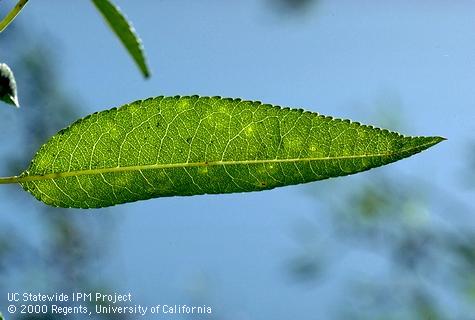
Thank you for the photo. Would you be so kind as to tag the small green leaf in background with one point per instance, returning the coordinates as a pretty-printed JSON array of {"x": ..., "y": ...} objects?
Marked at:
[
  {"x": 183, "y": 146},
  {"x": 8, "y": 91},
  {"x": 125, "y": 31}
]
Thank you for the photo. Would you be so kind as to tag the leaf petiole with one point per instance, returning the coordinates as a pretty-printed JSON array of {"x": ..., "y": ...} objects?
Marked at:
[
  {"x": 12, "y": 14},
  {"x": 9, "y": 180}
]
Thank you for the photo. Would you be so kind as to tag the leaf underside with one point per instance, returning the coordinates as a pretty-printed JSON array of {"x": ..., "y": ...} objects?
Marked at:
[
  {"x": 125, "y": 32},
  {"x": 182, "y": 146},
  {"x": 8, "y": 90}
]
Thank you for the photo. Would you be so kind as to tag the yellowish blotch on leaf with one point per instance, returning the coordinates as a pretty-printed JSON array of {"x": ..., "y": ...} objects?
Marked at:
[
  {"x": 250, "y": 131},
  {"x": 183, "y": 105}
]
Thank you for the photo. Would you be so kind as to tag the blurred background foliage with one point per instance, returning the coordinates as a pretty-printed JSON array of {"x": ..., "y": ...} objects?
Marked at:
[
  {"x": 422, "y": 267},
  {"x": 422, "y": 264},
  {"x": 292, "y": 7}
]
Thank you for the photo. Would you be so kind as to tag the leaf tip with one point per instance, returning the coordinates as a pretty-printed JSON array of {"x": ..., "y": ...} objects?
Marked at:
[
  {"x": 14, "y": 101},
  {"x": 428, "y": 142},
  {"x": 146, "y": 74},
  {"x": 437, "y": 140}
]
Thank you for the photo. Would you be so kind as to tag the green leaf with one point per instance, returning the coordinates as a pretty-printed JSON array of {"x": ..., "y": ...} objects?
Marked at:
[
  {"x": 8, "y": 91},
  {"x": 183, "y": 146},
  {"x": 124, "y": 31},
  {"x": 12, "y": 14}
]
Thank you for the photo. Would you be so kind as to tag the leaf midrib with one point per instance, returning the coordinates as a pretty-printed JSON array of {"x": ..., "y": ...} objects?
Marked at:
[{"x": 57, "y": 175}]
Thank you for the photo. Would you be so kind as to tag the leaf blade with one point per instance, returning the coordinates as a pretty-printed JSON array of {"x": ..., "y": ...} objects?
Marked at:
[
  {"x": 12, "y": 14},
  {"x": 8, "y": 88},
  {"x": 169, "y": 146},
  {"x": 125, "y": 32}
]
